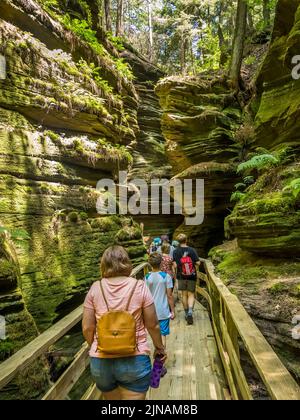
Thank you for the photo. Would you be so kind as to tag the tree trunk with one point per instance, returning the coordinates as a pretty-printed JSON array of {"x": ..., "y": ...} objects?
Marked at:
[
  {"x": 267, "y": 13},
  {"x": 150, "y": 23},
  {"x": 183, "y": 55},
  {"x": 250, "y": 22},
  {"x": 95, "y": 8},
  {"x": 107, "y": 9},
  {"x": 120, "y": 18},
  {"x": 238, "y": 42}
]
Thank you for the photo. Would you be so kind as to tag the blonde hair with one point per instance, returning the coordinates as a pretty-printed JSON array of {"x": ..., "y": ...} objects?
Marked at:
[
  {"x": 182, "y": 238},
  {"x": 165, "y": 248},
  {"x": 115, "y": 262}
]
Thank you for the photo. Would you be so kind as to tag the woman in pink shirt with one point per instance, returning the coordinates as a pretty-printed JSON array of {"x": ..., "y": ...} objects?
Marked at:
[{"x": 119, "y": 377}]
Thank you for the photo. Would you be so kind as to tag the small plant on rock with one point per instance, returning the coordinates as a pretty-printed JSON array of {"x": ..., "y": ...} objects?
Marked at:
[
  {"x": 294, "y": 188},
  {"x": 237, "y": 196},
  {"x": 259, "y": 163},
  {"x": 73, "y": 217}
]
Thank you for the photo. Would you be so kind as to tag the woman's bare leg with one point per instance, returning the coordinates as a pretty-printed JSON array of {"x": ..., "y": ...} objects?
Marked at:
[
  {"x": 130, "y": 395},
  {"x": 112, "y": 395}
]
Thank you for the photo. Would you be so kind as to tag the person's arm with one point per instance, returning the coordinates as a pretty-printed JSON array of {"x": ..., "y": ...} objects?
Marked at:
[
  {"x": 152, "y": 325},
  {"x": 175, "y": 269},
  {"x": 89, "y": 325},
  {"x": 171, "y": 302}
]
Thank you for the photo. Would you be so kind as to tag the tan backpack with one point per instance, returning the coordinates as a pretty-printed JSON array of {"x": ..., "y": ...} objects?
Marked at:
[{"x": 116, "y": 330}]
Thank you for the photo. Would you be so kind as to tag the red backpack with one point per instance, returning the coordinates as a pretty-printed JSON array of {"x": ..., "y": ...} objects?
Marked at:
[{"x": 187, "y": 265}]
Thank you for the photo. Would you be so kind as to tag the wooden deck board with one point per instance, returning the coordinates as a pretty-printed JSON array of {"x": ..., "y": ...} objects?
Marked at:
[{"x": 194, "y": 367}]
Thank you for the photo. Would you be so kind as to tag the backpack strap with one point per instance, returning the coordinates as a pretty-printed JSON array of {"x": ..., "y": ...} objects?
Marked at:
[
  {"x": 131, "y": 294},
  {"x": 103, "y": 294}
]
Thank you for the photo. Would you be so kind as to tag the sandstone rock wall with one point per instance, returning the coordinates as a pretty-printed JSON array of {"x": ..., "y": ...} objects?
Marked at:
[{"x": 67, "y": 116}]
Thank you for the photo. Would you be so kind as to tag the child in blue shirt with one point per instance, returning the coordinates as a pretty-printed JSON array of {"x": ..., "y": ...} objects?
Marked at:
[{"x": 160, "y": 285}]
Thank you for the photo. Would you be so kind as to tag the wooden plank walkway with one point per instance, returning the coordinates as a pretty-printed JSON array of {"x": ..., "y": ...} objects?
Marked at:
[{"x": 194, "y": 366}]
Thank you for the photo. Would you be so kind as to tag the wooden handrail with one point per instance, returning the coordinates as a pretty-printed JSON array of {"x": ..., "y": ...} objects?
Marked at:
[
  {"x": 37, "y": 347},
  {"x": 230, "y": 321}
]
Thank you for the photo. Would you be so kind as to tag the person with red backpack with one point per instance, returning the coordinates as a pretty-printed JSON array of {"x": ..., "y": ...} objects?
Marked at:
[{"x": 186, "y": 262}]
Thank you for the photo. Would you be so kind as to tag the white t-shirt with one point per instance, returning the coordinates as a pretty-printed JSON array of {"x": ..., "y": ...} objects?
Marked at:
[{"x": 158, "y": 283}]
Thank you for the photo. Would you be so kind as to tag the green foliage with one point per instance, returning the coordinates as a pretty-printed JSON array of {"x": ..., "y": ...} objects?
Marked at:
[
  {"x": 52, "y": 136},
  {"x": 83, "y": 30},
  {"x": 124, "y": 68},
  {"x": 116, "y": 41},
  {"x": 278, "y": 288},
  {"x": 259, "y": 163},
  {"x": 83, "y": 215},
  {"x": 6, "y": 349},
  {"x": 129, "y": 233},
  {"x": 294, "y": 187},
  {"x": 248, "y": 180},
  {"x": 73, "y": 217},
  {"x": 18, "y": 236},
  {"x": 211, "y": 53},
  {"x": 240, "y": 186},
  {"x": 93, "y": 72},
  {"x": 250, "y": 60},
  {"x": 237, "y": 196}
]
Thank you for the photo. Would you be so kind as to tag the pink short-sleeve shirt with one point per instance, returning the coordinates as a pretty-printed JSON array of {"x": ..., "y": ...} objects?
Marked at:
[{"x": 117, "y": 291}]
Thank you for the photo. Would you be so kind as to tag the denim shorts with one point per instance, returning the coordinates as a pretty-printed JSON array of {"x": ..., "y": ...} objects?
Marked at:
[{"x": 132, "y": 373}]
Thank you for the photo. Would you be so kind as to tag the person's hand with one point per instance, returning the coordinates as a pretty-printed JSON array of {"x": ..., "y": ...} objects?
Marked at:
[
  {"x": 161, "y": 353},
  {"x": 173, "y": 316}
]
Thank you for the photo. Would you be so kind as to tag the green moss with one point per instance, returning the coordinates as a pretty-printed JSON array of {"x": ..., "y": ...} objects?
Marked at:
[
  {"x": 45, "y": 189},
  {"x": 278, "y": 288},
  {"x": 242, "y": 267},
  {"x": 6, "y": 349},
  {"x": 73, "y": 217},
  {"x": 104, "y": 224},
  {"x": 129, "y": 233},
  {"x": 52, "y": 136},
  {"x": 83, "y": 215}
]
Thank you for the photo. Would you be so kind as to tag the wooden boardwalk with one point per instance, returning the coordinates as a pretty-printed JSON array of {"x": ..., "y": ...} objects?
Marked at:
[{"x": 194, "y": 367}]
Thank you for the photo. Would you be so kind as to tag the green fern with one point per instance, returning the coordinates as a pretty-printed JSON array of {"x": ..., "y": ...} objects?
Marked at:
[
  {"x": 237, "y": 196},
  {"x": 294, "y": 187},
  {"x": 248, "y": 180},
  {"x": 259, "y": 162},
  {"x": 240, "y": 186},
  {"x": 18, "y": 236}
]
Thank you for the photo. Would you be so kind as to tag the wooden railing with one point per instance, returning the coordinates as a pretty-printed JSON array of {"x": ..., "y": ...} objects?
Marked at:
[
  {"x": 232, "y": 324},
  {"x": 39, "y": 346}
]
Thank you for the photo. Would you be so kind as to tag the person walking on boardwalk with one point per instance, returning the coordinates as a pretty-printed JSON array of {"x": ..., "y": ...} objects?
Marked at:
[
  {"x": 118, "y": 310},
  {"x": 160, "y": 284},
  {"x": 167, "y": 261},
  {"x": 186, "y": 261}
]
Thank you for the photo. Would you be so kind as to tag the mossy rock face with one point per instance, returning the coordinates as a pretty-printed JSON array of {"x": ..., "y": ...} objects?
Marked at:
[
  {"x": 60, "y": 133},
  {"x": 199, "y": 120},
  {"x": 49, "y": 86},
  {"x": 267, "y": 220},
  {"x": 20, "y": 328},
  {"x": 277, "y": 119}
]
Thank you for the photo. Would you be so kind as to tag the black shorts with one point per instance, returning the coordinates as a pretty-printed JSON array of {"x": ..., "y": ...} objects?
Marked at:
[{"x": 187, "y": 285}]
